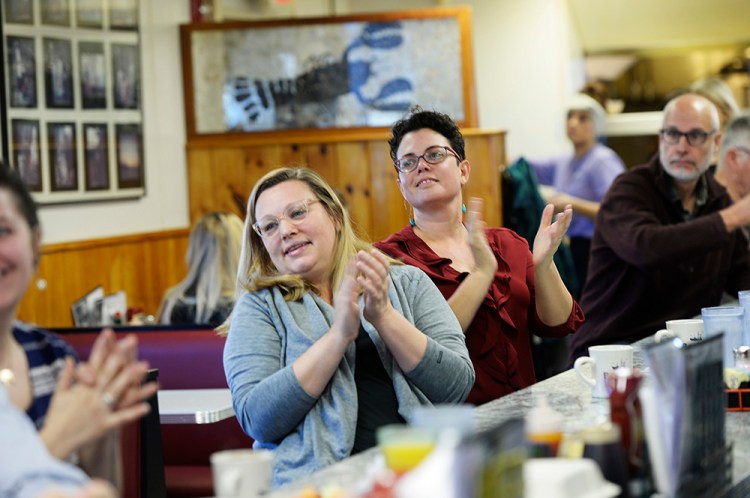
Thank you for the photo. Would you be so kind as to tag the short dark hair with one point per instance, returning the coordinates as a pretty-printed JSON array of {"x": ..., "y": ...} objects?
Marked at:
[
  {"x": 9, "y": 179},
  {"x": 418, "y": 119}
]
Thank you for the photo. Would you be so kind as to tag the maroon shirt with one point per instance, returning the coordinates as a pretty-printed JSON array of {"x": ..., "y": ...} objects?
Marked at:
[{"x": 498, "y": 339}]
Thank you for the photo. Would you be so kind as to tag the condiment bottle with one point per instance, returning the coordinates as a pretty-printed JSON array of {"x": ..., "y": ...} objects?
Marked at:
[
  {"x": 601, "y": 443},
  {"x": 544, "y": 430}
]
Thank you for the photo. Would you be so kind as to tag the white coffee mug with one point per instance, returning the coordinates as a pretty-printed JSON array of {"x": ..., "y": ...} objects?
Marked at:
[
  {"x": 241, "y": 473},
  {"x": 689, "y": 330},
  {"x": 603, "y": 361}
]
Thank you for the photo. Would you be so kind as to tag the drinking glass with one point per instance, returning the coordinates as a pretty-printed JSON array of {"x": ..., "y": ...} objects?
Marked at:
[{"x": 727, "y": 319}]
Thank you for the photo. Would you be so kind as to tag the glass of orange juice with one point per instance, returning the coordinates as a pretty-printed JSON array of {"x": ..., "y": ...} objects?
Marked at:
[{"x": 403, "y": 446}]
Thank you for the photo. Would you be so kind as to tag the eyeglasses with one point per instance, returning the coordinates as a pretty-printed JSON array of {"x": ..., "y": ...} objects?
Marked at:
[
  {"x": 433, "y": 155},
  {"x": 742, "y": 149},
  {"x": 694, "y": 137},
  {"x": 295, "y": 213}
]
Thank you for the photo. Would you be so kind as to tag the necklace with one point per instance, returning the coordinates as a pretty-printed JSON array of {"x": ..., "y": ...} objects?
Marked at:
[{"x": 7, "y": 376}]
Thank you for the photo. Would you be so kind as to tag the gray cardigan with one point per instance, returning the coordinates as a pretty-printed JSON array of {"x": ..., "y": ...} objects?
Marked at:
[{"x": 267, "y": 334}]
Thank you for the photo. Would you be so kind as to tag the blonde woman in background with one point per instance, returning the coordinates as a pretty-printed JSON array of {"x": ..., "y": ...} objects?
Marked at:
[{"x": 206, "y": 294}]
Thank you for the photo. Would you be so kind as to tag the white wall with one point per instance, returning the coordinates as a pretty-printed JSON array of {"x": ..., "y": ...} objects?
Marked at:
[
  {"x": 165, "y": 204},
  {"x": 526, "y": 60}
]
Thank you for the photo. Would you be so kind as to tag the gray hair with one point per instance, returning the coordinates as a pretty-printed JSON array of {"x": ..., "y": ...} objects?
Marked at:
[
  {"x": 736, "y": 133},
  {"x": 583, "y": 102},
  {"x": 719, "y": 93}
]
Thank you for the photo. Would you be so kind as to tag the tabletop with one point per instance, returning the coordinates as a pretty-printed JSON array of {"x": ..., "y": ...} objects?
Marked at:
[{"x": 194, "y": 406}]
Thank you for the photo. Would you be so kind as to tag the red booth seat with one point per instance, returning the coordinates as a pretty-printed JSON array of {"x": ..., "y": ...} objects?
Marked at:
[{"x": 187, "y": 358}]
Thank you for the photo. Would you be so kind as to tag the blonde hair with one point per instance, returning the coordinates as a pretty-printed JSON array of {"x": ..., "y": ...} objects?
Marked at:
[
  {"x": 212, "y": 259},
  {"x": 256, "y": 270}
]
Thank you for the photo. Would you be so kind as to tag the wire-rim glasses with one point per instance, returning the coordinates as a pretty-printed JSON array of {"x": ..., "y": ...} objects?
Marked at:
[
  {"x": 295, "y": 213},
  {"x": 694, "y": 137},
  {"x": 434, "y": 154}
]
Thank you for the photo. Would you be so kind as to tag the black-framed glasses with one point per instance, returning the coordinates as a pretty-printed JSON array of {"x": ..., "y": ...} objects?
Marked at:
[
  {"x": 296, "y": 213},
  {"x": 432, "y": 155},
  {"x": 694, "y": 137}
]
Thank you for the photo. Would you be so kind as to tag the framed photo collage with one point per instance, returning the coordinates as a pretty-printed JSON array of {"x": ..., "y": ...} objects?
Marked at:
[{"x": 72, "y": 98}]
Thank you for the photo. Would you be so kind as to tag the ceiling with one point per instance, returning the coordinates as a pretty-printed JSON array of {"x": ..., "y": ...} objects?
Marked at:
[{"x": 658, "y": 25}]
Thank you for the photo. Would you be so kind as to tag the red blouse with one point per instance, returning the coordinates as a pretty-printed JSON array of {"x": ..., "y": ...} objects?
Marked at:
[{"x": 499, "y": 337}]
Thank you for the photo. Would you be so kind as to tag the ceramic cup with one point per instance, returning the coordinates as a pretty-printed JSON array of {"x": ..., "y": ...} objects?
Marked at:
[
  {"x": 241, "y": 473},
  {"x": 689, "y": 331},
  {"x": 603, "y": 362}
]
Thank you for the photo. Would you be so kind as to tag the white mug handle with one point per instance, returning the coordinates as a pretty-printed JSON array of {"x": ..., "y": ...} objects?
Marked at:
[
  {"x": 663, "y": 334},
  {"x": 578, "y": 365}
]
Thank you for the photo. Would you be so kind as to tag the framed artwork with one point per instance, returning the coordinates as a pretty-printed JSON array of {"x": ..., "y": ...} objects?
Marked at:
[
  {"x": 96, "y": 156},
  {"x": 89, "y": 14},
  {"x": 129, "y": 155},
  {"x": 19, "y": 11},
  {"x": 70, "y": 116},
  {"x": 58, "y": 73},
  {"x": 125, "y": 76},
  {"x": 93, "y": 76},
  {"x": 123, "y": 14},
  {"x": 21, "y": 57},
  {"x": 327, "y": 73},
  {"x": 55, "y": 12},
  {"x": 26, "y": 152},
  {"x": 61, "y": 141}
]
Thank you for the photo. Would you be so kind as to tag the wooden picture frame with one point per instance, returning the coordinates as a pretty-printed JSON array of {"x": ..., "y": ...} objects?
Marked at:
[
  {"x": 89, "y": 14},
  {"x": 19, "y": 11},
  {"x": 58, "y": 73},
  {"x": 96, "y": 155},
  {"x": 125, "y": 76},
  {"x": 26, "y": 152},
  {"x": 326, "y": 75},
  {"x": 129, "y": 140},
  {"x": 55, "y": 12},
  {"x": 63, "y": 160},
  {"x": 123, "y": 14},
  {"x": 92, "y": 66},
  {"x": 21, "y": 60}
]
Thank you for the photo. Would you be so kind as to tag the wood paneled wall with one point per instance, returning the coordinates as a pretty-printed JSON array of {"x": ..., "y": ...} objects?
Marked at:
[
  {"x": 222, "y": 171},
  {"x": 142, "y": 265}
]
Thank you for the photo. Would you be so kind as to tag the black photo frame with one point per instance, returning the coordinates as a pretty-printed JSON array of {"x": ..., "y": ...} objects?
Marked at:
[
  {"x": 58, "y": 73},
  {"x": 63, "y": 164},
  {"x": 92, "y": 67},
  {"x": 19, "y": 11},
  {"x": 70, "y": 73},
  {"x": 96, "y": 155},
  {"x": 21, "y": 57},
  {"x": 129, "y": 142},
  {"x": 125, "y": 76},
  {"x": 123, "y": 14},
  {"x": 26, "y": 152},
  {"x": 89, "y": 14},
  {"x": 55, "y": 12}
]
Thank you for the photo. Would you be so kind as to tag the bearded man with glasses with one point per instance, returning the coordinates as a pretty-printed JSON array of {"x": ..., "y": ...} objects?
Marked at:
[{"x": 667, "y": 240}]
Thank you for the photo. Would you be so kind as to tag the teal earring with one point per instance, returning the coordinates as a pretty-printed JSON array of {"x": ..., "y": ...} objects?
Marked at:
[
  {"x": 412, "y": 222},
  {"x": 463, "y": 208}
]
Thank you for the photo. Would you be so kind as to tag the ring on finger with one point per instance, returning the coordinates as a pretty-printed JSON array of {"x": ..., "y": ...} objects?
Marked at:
[{"x": 109, "y": 400}]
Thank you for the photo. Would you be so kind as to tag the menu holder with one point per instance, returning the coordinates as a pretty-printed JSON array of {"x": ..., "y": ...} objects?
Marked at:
[
  {"x": 490, "y": 463},
  {"x": 688, "y": 381},
  {"x": 83, "y": 310}
]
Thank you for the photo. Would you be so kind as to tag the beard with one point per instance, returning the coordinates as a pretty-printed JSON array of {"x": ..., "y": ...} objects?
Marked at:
[{"x": 683, "y": 174}]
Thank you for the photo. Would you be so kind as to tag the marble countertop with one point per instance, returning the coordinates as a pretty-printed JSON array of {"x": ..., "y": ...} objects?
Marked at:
[{"x": 564, "y": 392}]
